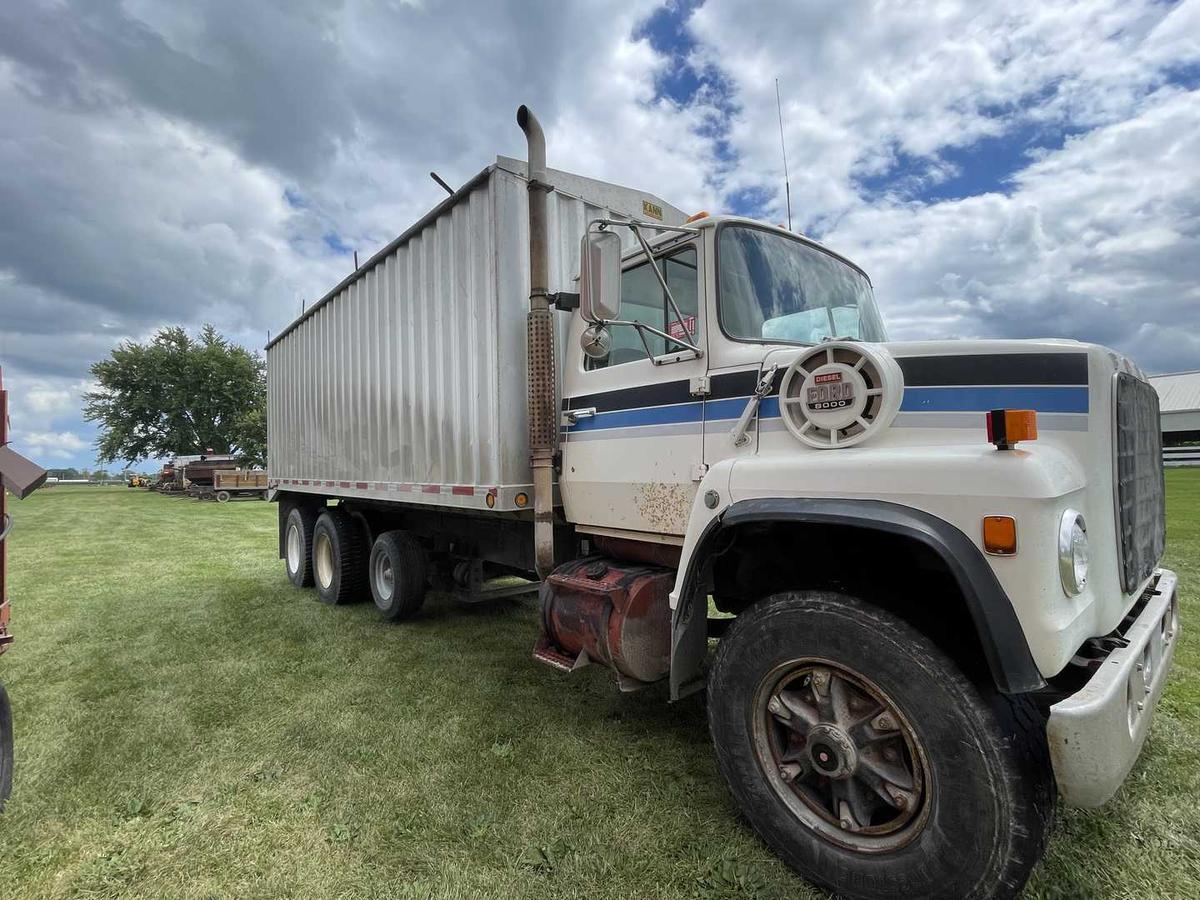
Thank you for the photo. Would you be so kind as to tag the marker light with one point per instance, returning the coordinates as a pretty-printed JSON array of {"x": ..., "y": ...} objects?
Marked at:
[
  {"x": 695, "y": 217},
  {"x": 1000, "y": 535},
  {"x": 1005, "y": 427},
  {"x": 522, "y": 499}
]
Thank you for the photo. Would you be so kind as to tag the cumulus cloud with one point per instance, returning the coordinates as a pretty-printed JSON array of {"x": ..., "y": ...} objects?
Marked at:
[
  {"x": 1091, "y": 233},
  {"x": 46, "y": 445},
  {"x": 183, "y": 164},
  {"x": 180, "y": 163}
]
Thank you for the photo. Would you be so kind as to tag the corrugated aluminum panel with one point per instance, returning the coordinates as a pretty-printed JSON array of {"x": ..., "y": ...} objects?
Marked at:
[{"x": 407, "y": 382}]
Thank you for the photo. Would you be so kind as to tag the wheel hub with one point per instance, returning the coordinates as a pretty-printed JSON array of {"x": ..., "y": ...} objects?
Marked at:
[
  {"x": 841, "y": 755},
  {"x": 831, "y": 751},
  {"x": 324, "y": 560}
]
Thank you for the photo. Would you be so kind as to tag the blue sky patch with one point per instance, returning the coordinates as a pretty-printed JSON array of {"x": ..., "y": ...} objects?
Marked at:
[{"x": 334, "y": 242}]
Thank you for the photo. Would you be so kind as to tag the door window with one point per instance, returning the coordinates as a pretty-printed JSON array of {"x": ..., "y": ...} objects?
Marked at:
[{"x": 643, "y": 300}]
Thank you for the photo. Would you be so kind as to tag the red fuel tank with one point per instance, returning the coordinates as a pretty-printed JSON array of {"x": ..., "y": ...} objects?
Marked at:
[{"x": 618, "y": 613}]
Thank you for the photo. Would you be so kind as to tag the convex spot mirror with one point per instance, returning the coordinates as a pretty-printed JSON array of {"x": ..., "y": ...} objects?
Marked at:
[
  {"x": 596, "y": 341},
  {"x": 600, "y": 276}
]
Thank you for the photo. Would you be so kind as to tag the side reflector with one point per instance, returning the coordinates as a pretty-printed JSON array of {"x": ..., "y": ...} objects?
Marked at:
[
  {"x": 1005, "y": 427},
  {"x": 1000, "y": 535}
]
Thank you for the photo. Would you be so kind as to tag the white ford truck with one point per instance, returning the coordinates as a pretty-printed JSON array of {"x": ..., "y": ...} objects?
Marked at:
[{"x": 938, "y": 561}]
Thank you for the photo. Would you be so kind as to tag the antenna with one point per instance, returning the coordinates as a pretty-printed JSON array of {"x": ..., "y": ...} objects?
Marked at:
[{"x": 787, "y": 185}]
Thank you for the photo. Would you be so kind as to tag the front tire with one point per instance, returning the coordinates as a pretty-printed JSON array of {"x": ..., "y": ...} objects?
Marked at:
[
  {"x": 338, "y": 558},
  {"x": 865, "y": 758},
  {"x": 399, "y": 575}
]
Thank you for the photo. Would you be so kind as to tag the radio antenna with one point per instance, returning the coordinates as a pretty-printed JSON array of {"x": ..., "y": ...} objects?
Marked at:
[{"x": 787, "y": 185}]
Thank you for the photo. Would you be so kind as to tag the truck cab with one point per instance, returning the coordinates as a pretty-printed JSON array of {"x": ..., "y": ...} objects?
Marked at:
[{"x": 1004, "y": 499}]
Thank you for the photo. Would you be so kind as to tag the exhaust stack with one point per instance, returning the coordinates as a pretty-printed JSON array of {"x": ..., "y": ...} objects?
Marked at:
[{"x": 543, "y": 404}]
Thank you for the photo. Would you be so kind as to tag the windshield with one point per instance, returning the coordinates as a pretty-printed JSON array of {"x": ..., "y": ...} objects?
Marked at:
[{"x": 777, "y": 289}]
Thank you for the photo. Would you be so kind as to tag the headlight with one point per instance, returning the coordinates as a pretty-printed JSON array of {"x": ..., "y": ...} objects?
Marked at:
[{"x": 1072, "y": 552}]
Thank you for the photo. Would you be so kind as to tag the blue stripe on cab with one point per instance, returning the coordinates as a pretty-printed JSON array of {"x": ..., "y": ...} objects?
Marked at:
[
  {"x": 647, "y": 415},
  {"x": 981, "y": 399},
  {"x": 916, "y": 399}
]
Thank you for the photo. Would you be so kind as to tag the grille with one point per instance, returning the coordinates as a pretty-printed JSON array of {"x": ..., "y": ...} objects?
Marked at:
[{"x": 1141, "y": 503}]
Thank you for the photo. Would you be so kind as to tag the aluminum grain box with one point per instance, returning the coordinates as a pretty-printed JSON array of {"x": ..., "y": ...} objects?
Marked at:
[{"x": 407, "y": 382}]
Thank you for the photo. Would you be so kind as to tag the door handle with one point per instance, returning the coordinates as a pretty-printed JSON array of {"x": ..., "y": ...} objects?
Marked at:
[{"x": 574, "y": 415}]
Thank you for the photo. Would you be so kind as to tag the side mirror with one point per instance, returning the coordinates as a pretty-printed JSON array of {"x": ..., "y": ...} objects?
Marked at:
[{"x": 600, "y": 276}]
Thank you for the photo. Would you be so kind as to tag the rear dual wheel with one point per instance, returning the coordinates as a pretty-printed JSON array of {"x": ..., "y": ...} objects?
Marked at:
[
  {"x": 297, "y": 545},
  {"x": 338, "y": 557},
  {"x": 398, "y": 574},
  {"x": 864, "y": 757}
]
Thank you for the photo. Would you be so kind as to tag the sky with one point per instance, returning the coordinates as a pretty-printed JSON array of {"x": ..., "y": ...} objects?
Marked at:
[{"x": 1019, "y": 170}]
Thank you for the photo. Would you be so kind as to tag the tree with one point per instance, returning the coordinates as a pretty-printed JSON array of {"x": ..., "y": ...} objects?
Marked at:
[{"x": 178, "y": 394}]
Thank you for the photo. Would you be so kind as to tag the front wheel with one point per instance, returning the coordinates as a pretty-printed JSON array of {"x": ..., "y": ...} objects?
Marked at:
[{"x": 865, "y": 758}]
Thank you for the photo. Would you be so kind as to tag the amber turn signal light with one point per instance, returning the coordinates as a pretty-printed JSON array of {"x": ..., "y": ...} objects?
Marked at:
[
  {"x": 1005, "y": 427},
  {"x": 1000, "y": 535}
]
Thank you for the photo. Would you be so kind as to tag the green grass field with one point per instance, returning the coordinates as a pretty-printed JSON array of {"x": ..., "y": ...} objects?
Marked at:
[{"x": 191, "y": 725}]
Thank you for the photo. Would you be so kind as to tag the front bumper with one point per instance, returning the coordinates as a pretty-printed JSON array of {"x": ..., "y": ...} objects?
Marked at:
[{"x": 1096, "y": 734}]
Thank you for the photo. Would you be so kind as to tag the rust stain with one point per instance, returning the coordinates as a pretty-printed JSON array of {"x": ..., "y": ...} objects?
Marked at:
[{"x": 665, "y": 506}]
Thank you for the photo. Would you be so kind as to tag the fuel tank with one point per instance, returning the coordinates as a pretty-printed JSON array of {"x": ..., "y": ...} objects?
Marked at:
[{"x": 605, "y": 611}]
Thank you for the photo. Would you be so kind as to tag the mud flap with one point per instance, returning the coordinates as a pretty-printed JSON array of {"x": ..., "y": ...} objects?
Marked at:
[{"x": 6, "y": 747}]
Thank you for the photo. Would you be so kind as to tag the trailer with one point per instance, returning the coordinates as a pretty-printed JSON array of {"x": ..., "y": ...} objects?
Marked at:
[
  {"x": 20, "y": 477},
  {"x": 938, "y": 561},
  {"x": 230, "y": 483},
  {"x": 199, "y": 475}
]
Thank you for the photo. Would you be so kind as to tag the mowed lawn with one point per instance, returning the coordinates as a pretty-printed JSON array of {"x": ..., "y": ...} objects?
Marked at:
[{"x": 191, "y": 725}]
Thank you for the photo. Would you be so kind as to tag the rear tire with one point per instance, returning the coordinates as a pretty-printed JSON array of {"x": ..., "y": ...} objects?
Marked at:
[
  {"x": 339, "y": 558},
  {"x": 399, "y": 575},
  {"x": 297, "y": 545},
  {"x": 813, "y": 695},
  {"x": 223, "y": 496}
]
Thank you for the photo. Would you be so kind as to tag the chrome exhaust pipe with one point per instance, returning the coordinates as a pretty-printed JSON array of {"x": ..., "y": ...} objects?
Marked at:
[{"x": 543, "y": 402}]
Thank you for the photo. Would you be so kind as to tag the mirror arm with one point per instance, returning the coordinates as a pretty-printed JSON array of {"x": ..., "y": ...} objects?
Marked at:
[{"x": 642, "y": 326}]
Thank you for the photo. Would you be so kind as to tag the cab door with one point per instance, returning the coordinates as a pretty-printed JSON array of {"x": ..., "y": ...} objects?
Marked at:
[{"x": 633, "y": 433}]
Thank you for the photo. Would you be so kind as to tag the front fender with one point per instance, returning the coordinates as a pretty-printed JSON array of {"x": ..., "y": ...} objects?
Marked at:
[{"x": 999, "y": 631}]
